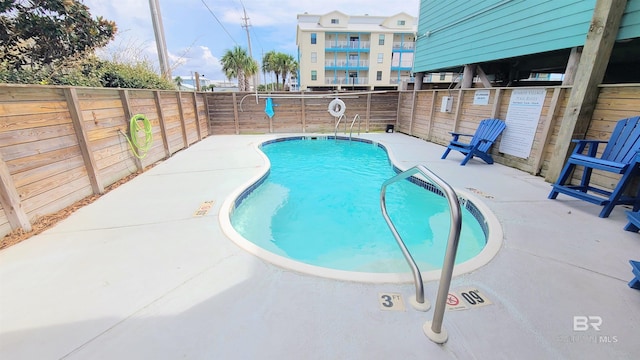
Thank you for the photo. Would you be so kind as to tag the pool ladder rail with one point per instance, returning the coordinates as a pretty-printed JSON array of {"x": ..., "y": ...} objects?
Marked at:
[
  {"x": 335, "y": 133},
  {"x": 357, "y": 117},
  {"x": 433, "y": 329}
]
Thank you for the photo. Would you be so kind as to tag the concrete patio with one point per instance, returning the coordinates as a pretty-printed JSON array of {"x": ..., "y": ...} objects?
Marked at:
[{"x": 135, "y": 275}]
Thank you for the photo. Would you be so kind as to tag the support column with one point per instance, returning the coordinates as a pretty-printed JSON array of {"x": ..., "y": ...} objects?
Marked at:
[
  {"x": 467, "y": 76},
  {"x": 483, "y": 77},
  {"x": 593, "y": 64},
  {"x": 419, "y": 78},
  {"x": 572, "y": 66}
]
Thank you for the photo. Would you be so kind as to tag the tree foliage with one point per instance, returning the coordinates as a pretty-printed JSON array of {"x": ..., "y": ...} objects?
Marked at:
[
  {"x": 280, "y": 65},
  {"x": 236, "y": 63},
  {"x": 53, "y": 42},
  {"x": 41, "y": 33}
]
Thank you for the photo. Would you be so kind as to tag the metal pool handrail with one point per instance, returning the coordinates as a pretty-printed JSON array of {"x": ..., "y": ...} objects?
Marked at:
[
  {"x": 335, "y": 134},
  {"x": 353, "y": 122},
  {"x": 432, "y": 329}
]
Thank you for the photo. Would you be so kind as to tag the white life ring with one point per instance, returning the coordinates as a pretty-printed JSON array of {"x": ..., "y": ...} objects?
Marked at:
[{"x": 337, "y": 107}]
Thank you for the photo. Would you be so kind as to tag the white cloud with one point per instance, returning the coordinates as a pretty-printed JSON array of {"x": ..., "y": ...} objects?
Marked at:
[{"x": 199, "y": 59}]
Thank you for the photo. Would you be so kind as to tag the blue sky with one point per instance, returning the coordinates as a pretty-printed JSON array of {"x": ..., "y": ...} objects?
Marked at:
[{"x": 195, "y": 39}]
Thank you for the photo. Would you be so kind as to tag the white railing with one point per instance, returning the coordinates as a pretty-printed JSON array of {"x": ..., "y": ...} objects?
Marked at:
[
  {"x": 333, "y": 44},
  {"x": 346, "y": 80},
  {"x": 346, "y": 63},
  {"x": 404, "y": 45},
  {"x": 395, "y": 80},
  {"x": 402, "y": 64}
]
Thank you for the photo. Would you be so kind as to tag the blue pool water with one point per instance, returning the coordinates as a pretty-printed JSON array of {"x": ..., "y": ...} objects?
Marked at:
[{"x": 320, "y": 204}]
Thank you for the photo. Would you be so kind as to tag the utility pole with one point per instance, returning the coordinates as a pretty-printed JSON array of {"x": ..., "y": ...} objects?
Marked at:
[
  {"x": 197, "y": 82},
  {"x": 245, "y": 25},
  {"x": 161, "y": 44}
]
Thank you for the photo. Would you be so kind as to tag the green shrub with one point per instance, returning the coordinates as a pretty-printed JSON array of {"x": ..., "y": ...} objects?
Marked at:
[{"x": 91, "y": 72}]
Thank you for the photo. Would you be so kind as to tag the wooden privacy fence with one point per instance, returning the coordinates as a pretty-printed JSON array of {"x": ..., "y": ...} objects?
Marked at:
[
  {"x": 239, "y": 113},
  {"x": 61, "y": 144},
  {"x": 420, "y": 116}
]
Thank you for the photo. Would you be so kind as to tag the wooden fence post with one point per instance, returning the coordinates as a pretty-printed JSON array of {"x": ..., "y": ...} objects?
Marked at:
[
  {"x": 546, "y": 133},
  {"x": 432, "y": 111},
  {"x": 304, "y": 117},
  {"x": 71, "y": 96},
  {"x": 414, "y": 103},
  {"x": 398, "y": 102},
  {"x": 205, "y": 97},
  {"x": 456, "y": 116},
  {"x": 197, "y": 115},
  {"x": 163, "y": 127},
  {"x": 235, "y": 113},
  {"x": 366, "y": 126},
  {"x": 10, "y": 200},
  {"x": 496, "y": 104},
  {"x": 124, "y": 97},
  {"x": 185, "y": 139}
]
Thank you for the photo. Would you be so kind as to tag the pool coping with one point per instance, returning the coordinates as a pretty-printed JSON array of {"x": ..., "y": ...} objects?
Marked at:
[{"x": 494, "y": 237}]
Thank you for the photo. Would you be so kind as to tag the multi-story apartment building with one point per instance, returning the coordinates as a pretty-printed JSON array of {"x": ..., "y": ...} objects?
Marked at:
[{"x": 342, "y": 52}]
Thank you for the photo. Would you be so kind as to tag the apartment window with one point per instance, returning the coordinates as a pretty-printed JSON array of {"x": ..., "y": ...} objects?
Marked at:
[
  {"x": 401, "y": 22},
  {"x": 314, "y": 75},
  {"x": 380, "y": 57},
  {"x": 379, "y": 75},
  {"x": 442, "y": 76},
  {"x": 381, "y": 40},
  {"x": 313, "y": 38},
  {"x": 314, "y": 57},
  {"x": 335, "y": 21}
]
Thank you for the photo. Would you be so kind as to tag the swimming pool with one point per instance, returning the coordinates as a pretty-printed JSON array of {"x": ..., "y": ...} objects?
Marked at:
[{"x": 317, "y": 209}]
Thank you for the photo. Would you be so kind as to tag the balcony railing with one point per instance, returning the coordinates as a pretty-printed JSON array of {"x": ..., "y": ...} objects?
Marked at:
[
  {"x": 346, "y": 80},
  {"x": 333, "y": 44},
  {"x": 403, "y": 64},
  {"x": 404, "y": 45},
  {"x": 395, "y": 80},
  {"x": 347, "y": 63}
]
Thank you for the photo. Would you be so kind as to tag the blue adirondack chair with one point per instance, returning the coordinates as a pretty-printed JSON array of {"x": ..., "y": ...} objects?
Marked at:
[
  {"x": 620, "y": 156},
  {"x": 634, "y": 221},
  {"x": 486, "y": 134},
  {"x": 635, "y": 269}
]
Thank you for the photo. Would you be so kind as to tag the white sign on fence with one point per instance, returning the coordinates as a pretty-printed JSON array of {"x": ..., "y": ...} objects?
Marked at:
[
  {"x": 481, "y": 97},
  {"x": 522, "y": 120}
]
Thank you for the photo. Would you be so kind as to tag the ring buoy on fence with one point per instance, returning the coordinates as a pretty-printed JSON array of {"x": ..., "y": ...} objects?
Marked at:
[{"x": 337, "y": 107}]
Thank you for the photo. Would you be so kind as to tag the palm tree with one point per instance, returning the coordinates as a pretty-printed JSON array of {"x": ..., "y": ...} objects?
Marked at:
[
  {"x": 236, "y": 63},
  {"x": 250, "y": 69},
  {"x": 280, "y": 64},
  {"x": 178, "y": 81},
  {"x": 269, "y": 63},
  {"x": 288, "y": 65}
]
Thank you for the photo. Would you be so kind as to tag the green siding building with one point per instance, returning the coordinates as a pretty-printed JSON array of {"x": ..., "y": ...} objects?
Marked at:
[{"x": 510, "y": 39}]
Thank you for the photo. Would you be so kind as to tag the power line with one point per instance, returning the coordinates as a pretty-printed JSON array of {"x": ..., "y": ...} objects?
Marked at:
[{"x": 215, "y": 17}]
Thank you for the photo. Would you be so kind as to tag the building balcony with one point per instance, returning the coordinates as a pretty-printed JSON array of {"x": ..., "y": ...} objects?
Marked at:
[
  {"x": 347, "y": 45},
  {"x": 395, "y": 80},
  {"x": 346, "y": 80},
  {"x": 346, "y": 64},
  {"x": 408, "y": 46},
  {"x": 403, "y": 65}
]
